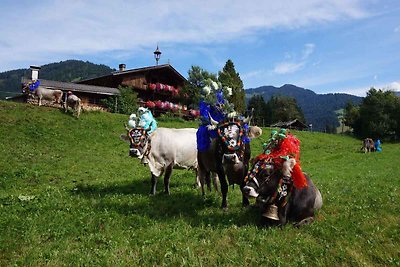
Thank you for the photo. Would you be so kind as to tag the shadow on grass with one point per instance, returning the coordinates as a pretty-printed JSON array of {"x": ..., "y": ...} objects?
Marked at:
[
  {"x": 181, "y": 204},
  {"x": 127, "y": 188}
]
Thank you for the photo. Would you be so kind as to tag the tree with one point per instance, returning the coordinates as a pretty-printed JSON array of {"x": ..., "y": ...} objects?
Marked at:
[
  {"x": 283, "y": 108},
  {"x": 230, "y": 78},
  {"x": 124, "y": 103},
  {"x": 257, "y": 103},
  {"x": 378, "y": 115},
  {"x": 196, "y": 81},
  {"x": 351, "y": 114}
]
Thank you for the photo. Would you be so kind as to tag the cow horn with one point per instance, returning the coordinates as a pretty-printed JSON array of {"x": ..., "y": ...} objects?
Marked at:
[
  {"x": 247, "y": 120},
  {"x": 213, "y": 122}
]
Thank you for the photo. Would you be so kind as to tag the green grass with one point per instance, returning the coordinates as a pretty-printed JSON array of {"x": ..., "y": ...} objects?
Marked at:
[{"x": 70, "y": 195}]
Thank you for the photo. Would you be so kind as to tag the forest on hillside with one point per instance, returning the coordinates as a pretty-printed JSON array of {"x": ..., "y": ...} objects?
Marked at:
[{"x": 319, "y": 109}]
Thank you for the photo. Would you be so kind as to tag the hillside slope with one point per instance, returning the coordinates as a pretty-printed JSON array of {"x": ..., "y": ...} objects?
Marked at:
[
  {"x": 64, "y": 71},
  {"x": 70, "y": 195},
  {"x": 318, "y": 109}
]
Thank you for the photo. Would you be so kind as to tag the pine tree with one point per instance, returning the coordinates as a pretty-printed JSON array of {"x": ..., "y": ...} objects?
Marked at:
[
  {"x": 257, "y": 103},
  {"x": 230, "y": 78}
]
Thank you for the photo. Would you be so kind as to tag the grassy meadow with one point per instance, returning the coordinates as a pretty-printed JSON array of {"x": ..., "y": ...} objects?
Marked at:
[{"x": 71, "y": 196}]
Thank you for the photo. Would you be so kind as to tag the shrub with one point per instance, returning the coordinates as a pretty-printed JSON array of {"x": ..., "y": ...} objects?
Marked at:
[{"x": 124, "y": 103}]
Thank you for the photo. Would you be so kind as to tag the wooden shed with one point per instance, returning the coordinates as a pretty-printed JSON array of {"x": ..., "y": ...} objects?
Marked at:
[{"x": 294, "y": 124}]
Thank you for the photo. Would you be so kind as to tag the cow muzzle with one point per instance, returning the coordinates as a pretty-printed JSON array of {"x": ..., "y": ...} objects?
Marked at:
[
  {"x": 134, "y": 152},
  {"x": 249, "y": 192}
]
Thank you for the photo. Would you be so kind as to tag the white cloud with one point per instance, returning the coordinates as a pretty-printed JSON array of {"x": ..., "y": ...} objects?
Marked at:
[
  {"x": 287, "y": 67},
  {"x": 58, "y": 29},
  {"x": 394, "y": 86},
  {"x": 293, "y": 66},
  {"x": 362, "y": 91},
  {"x": 308, "y": 50}
]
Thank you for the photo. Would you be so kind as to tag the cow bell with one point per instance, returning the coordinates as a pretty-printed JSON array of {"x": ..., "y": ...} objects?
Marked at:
[{"x": 271, "y": 212}]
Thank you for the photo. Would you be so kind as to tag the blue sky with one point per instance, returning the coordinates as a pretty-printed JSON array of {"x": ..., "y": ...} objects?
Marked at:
[{"x": 323, "y": 45}]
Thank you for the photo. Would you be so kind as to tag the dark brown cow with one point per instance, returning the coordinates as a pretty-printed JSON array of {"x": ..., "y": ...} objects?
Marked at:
[
  {"x": 302, "y": 203},
  {"x": 227, "y": 156}
]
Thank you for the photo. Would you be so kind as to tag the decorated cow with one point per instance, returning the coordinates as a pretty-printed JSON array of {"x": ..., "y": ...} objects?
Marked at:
[
  {"x": 223, "y": 141},
  {"x": 42, "y": 93},
  {"x": 276, "y": 180}
]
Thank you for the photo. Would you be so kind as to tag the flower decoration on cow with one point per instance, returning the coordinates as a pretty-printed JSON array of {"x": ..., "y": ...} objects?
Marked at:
[
  {"x": 32, "y": 85},
  {"x": 146, "y": 119},
  {"x": 143, "y": 119},
  {"x": 215, "y": 107}
]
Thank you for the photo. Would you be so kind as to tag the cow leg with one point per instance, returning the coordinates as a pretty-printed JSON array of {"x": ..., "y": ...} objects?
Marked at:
[
  {"x": 224, "y": 188},
  {"x": 167, "y": 176},
  {"x": 215, "y": 181},
  {"x": 153, "y": 184},
  {"x": 245, "y": 200},
  {"x": 305, "y": 221},
  {"x": 208, "y": 181},
  {"x": 201, "y": 174},
  {"x": 282, "y": 214},
  {"x": 40, "y": 101}
]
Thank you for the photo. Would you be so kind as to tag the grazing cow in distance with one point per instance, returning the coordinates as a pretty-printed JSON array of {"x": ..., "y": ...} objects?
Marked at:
[
  {"x": 45, "y": 94},
  {"x": 368, "y": 145},
  {"x": 73, "y": 102},
  {"x": 163, "y": 150}
]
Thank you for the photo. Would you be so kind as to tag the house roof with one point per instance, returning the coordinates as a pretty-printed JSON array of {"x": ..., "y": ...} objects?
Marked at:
[
  {"x": 76, "y": 87},
  {"x": 294, "y": 122},
  {"x": 139, "y": 70}
]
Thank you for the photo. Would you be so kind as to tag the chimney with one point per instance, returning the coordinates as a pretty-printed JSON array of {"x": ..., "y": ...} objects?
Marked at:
[
  {"x": 35, "y": 72},
  {"x": 122, "y": 67}
]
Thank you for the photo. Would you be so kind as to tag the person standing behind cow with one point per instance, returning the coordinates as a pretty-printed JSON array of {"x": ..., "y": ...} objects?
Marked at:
[{"x": 377, "y": 145}]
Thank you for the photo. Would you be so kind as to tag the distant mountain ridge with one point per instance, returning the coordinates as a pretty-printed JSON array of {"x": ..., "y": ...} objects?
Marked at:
[
  {"x": 319, "y": 109},
  {"x": 63, "y": 71}
]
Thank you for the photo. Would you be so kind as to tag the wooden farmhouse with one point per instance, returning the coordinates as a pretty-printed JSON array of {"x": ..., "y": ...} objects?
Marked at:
[
  {"x": 158, "y": 87},
  {"x": 90, "y": 96}
]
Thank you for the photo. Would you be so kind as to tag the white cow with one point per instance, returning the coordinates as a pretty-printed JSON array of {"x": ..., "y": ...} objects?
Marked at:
[
  {"x": 47, "y": 94},
  {"x": 73, "y": 102},
  {"x": 164, "y": 150}
]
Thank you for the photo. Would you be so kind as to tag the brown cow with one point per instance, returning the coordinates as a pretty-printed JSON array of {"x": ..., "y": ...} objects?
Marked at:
[{"x": 368, "y": 145}]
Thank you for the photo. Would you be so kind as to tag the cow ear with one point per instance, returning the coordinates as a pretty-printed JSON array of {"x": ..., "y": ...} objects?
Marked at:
[{"x": 124, "y": 138}]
